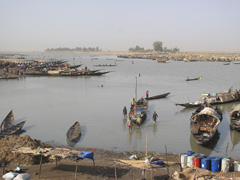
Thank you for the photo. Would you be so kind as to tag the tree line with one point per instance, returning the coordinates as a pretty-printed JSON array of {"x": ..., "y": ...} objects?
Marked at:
[
  {"x": 80, "y": 49},
  {"x": 157, "y": 46}
]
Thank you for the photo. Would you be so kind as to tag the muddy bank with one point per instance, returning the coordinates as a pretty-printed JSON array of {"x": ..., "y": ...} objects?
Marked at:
[{"x": 106, "y": 164}]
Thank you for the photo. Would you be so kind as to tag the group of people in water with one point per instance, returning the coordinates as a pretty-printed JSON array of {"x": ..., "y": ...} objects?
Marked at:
[{"x": 133, "y": 108}]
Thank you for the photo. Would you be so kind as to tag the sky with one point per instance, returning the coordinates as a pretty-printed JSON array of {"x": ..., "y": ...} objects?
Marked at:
[{"x": 117, "y": 25}]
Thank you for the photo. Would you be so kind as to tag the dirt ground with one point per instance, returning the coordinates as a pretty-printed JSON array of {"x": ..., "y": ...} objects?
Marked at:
[{"x": 106, "y": 164}]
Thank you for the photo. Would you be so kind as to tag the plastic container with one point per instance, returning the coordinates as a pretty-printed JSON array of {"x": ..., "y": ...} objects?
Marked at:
[
  {"x": 225, "y": 165},
  {"x": 205, "y": 163},
  {"x": 184, "y": 160},
  {"x": 190, "y": 161},
  {"x": 189, "y": 153},
  {"x": 215, "y": 165},
  {"x": 236, "y": 166},
  {"x": 202, "y": 156},
  {"x": 196, "y": 161}
]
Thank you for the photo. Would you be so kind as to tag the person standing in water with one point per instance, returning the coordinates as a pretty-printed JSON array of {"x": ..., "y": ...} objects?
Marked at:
[
  {"x": 130, "y": 124},
  {"x": 125, "y": 111},
  {"x": 154, "y": 117},
  {"x": 147, "y": 94}
]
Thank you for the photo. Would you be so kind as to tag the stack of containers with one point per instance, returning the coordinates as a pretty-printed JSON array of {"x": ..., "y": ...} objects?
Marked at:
[
  {"x": 186, "y": 159},
  {"x": 236, "y": 166},
  {"x": 214, "y": 164}
]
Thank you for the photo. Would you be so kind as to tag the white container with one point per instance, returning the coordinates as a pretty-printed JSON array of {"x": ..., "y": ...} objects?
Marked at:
[
  {"x": 225, "y": 165},
  {"x": 184, "y": 160},
  {"x": 236, "y": 166},
  {"x": 190, "y": 161}
]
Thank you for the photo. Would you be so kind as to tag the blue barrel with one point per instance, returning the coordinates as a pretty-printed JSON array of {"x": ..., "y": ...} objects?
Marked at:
[
  {"x": 189, "y": 153},
  {"x": 220, "y": 159},
  {"x": 215, "y": 165},
  {"x": 202, "y": 156},
  {"x": 205, "y": 163}
]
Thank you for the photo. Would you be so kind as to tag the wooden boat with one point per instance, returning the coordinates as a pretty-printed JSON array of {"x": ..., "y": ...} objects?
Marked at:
[
  {"x": 204, "y": 124},
  {"x": 13, "y": 129},
  {"x": 226, "y": 63},
  {"x": 158, "y": 96},
  {"x": 106, "y": 65},
  {"x": 9, "y": 77},
  {"x": 235, "y": 118},
  {"x": 74, "y": 132},
  {"x": 8, "y": 121},
  {"x": 138, "y": 113},
  {"x": 214, "y": 98},
  {"x": 193, "y": 79}
]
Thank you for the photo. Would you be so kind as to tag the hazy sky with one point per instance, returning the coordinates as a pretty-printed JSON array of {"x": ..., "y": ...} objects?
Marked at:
[{"x": 191, "y": 25}]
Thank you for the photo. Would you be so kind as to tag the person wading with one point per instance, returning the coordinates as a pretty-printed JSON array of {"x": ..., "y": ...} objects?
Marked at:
[
  {"x": 125, "y": 111},
  {"x": 154, "y": 117}
]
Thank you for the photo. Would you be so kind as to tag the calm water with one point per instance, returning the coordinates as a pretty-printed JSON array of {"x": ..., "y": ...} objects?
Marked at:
[{"x": 50, "y": 105}]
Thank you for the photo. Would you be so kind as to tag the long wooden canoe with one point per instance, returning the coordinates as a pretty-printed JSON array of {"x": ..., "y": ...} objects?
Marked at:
[
  {"x": 8, "y": 121},
  {"x": 158, "y": 96},
  {"x": 74, "y": 132},
  {"x": 13, "y": 129}
]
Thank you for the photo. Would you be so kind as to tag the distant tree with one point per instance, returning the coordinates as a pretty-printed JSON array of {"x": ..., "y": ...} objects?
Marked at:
[
  {"x": 157, "y": 46},
  {"x": 136, "y": 49},
  {"x": 84, "y": 49}
]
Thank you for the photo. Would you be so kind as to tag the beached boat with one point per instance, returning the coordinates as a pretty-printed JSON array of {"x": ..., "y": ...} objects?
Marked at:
[
  {"x": 74, "y": 132},
  {"x": 158, "y": 96},
  {"x": 214, "y": 98},
  {"x": 13, "y": 129},
  {"x": 204, "y": 123},
  {"x": 8, "y": 121},
  {"x": 235, "y": 118},
  {"x": 193, "y": 79}
]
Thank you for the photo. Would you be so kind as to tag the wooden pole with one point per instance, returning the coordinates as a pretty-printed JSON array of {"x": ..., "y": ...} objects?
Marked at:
[
  {"x": 146, "y": 145},
  {"x": 167, "y": 159},
  {"x": 4, "y": 163},
  {"x": 76, "y": 171},
  {"x": 116, "y": 172},
  {"x": 151, "y": 174},
  {"x": 40, "y": 167},
  {"x": 132, "y": 174},
  {"x": 227, "y": 149},
  {"x": 56, "y": 161}
]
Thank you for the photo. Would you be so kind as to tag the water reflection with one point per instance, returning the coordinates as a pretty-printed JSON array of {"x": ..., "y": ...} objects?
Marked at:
[
  {"x": 235, "y": 137},
  {"x": 207, "y": 150},
  {"x": 136, "y": 132}
]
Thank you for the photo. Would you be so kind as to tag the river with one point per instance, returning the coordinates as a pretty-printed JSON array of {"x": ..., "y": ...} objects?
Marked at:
[{"x": 50, "y": 105}]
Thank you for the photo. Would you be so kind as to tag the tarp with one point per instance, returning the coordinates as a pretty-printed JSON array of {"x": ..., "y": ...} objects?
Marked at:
[
  {"x": 88, "y": 155},
  {"x": 160, "y": 163},
  {"x": 208, "y": 111},
  {"x": 237, "y": 108}
]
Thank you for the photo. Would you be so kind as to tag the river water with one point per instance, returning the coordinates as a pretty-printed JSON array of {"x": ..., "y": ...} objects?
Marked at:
[{"x": 50, "y": 105}]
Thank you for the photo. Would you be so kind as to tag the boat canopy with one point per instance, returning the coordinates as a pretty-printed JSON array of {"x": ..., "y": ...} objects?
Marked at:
[
  {"x": 236, "y": 109},
  {"x": 208, "y": 111}
]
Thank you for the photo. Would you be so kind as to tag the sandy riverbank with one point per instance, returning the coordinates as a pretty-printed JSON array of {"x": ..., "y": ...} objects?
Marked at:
[{"x": 107, "y": 164}]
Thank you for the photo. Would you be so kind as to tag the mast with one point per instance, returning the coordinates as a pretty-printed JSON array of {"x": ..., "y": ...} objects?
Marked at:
[{"x": 136, "y": 91}]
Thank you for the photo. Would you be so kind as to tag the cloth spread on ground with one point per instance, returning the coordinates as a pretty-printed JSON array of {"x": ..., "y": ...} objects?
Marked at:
[{"x": 88, "y": 155}]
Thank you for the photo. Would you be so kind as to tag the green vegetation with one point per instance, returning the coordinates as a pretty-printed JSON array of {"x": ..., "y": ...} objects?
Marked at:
[
  {"x": 157, "y": 46},
  {"x": 84, "y": 49}
]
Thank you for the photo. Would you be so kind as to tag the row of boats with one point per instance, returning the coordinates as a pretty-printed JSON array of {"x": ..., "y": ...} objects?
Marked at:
[
  {"x": 8, "y": 128},
  {"x": 204, "y": 121}
]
